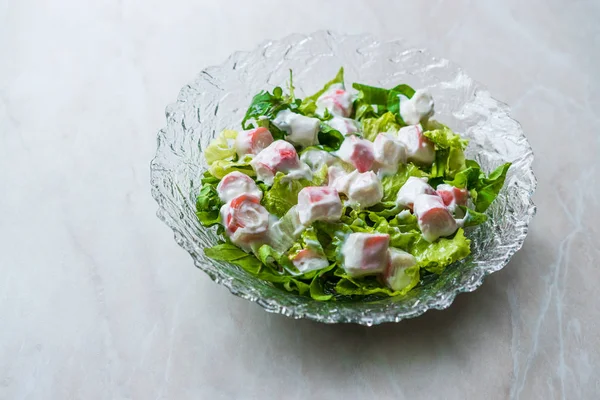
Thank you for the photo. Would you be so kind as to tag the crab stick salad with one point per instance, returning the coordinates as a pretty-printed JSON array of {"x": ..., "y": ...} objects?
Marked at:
[{"x": 351, "y": 192}]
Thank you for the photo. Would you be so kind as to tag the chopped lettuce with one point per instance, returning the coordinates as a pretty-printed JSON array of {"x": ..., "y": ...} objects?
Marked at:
[
  {"x": 374, "y": 126},
  {"x": 472, "y": 217},
  {"x": 330, "y": 139},
  {"x": 488, "y": 187},
  {"x": 443, "y": 137},
  {"x": 370, "y": 285},
  {"x": 435, "y": 257},
  {"x": 208, "y": 206},
  {"x": 283, "y": 194},
  {"x": 221, "y": 148},
  {"x": 374, "y": 101},
  {"x": 484, "y": 189},
  {"x": 233, "y": 254},
  {"x": 265, "y": 107},
  {"x": 220, "y": 168},
  {"x": 449, "y": 155}
]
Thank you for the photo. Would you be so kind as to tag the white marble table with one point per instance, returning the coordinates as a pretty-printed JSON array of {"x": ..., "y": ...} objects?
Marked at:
[{"x": 97, "y": 301}]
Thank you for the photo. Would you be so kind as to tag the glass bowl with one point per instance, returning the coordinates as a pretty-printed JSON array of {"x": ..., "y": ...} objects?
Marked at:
[{"x": 217, "y": 99}]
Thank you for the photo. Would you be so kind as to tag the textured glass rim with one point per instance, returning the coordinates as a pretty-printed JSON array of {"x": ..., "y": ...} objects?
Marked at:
[{"x": 272, "y": 305}]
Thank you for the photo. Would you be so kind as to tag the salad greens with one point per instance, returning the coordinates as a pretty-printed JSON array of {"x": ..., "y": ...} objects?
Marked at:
[{"x": 376, "y": 110}]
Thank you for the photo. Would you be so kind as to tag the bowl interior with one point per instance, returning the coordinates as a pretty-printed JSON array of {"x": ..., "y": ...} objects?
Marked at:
[{"x": 217, "y": 99}]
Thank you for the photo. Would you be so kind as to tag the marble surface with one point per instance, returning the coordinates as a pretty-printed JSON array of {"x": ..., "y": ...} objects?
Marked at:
[{"x": 97, "y": 301}]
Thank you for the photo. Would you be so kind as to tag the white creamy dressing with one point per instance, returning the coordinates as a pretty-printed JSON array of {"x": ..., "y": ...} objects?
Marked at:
[
  {"x": 316, "y": 158},
  {"x": 418, "y": 148},
  {"x": 434, "y": 219},
  {"x": 336, "y": 100},
  {"x": 365, "y": 254},
  {"x": 318, "y": 203},
  {"x": 411, "y": 189},
  {"x": 346, "y": 126},
  {"x": 236, "y": 183},
  {"x": 279, "y": 156},
  {"x": 252, "y": 141},
  {"x": 301, "y": 130},
  {"x": 395, "y": 275},
  {"x": 417, "y": 109},
  {"x": 389, "y": 153}
]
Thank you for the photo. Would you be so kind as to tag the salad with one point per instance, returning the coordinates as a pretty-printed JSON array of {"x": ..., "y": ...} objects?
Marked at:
[{"x": 343, "y": 195}]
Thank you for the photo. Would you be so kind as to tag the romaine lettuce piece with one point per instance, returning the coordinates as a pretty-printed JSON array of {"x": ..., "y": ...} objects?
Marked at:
[
  {"x": 267, "y": 105},
  {"x": 435, "y": 257},
  {"x": 484, "y": 190},
  {"x": 222, "y": 147},
  {"x": 283, "y": 194},
  {"x": 208, "y": 206},
  {"x": 374, "y": 126}
]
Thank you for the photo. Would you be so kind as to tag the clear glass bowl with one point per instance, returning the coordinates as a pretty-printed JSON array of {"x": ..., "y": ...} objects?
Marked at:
[{"x": 218, "y": 97}]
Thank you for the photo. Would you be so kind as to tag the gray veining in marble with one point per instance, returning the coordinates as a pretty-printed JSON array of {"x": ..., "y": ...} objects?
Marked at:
[{"x": 97, "y": 301}]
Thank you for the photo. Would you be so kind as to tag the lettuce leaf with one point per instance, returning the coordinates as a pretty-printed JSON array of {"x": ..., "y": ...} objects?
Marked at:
[
  {"x": 309, "y": 104},
  {"x": 208, "y": 206},
  {"x": 384, "y": 100},
  {"x": 220, "y": 168},
  {"x": 233, "y": 254},
  {"x": 488, "y": 188},
  {"x": 484, "y": 189},
  {"x": 283, "y": 194},
  {"x": 399, "y": 238},
  {"x": 370, "y": 285},
  {"x": 265, "y": 104},
  {"x": 392, "y": 183},
  {"x": 435, "y": 257},
  {"x": 472, "y": 217},
  {"x": 329, "y": 139},
  {"x": 374, "y": 126},
  {"x": 443, "y": 137},
  {"x": 449, "y": 154},
  {"x": 221, "y": 148}
]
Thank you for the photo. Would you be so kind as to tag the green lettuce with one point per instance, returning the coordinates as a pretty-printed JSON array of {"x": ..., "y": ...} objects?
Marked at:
[
  {"x": 484, "y": 189},
  {"x": 329, "y": 139},
  {"x": 487, "y": 188},
  {"x": 283, "y": 194},
  {"x": 374, "y": 101},
  {"x": 472, "y": 217},
  {"x": 208, "y": 206},
  {"x": 392, "y": 183},
  {"x": 443, "y": 137},
  {"x": 221, "y": 148},
  {"x": 449, "y": 150},
  {"x": 269, "y": 270},
  {"x": 233, "y": 254},
  {"x": 220, "y": 168},
  {"x": 370, "y": 285},
  {"x": 265, "y": 106},
  {"x": 435, "y": 257},
  {"x": 374, "y": 126}
]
